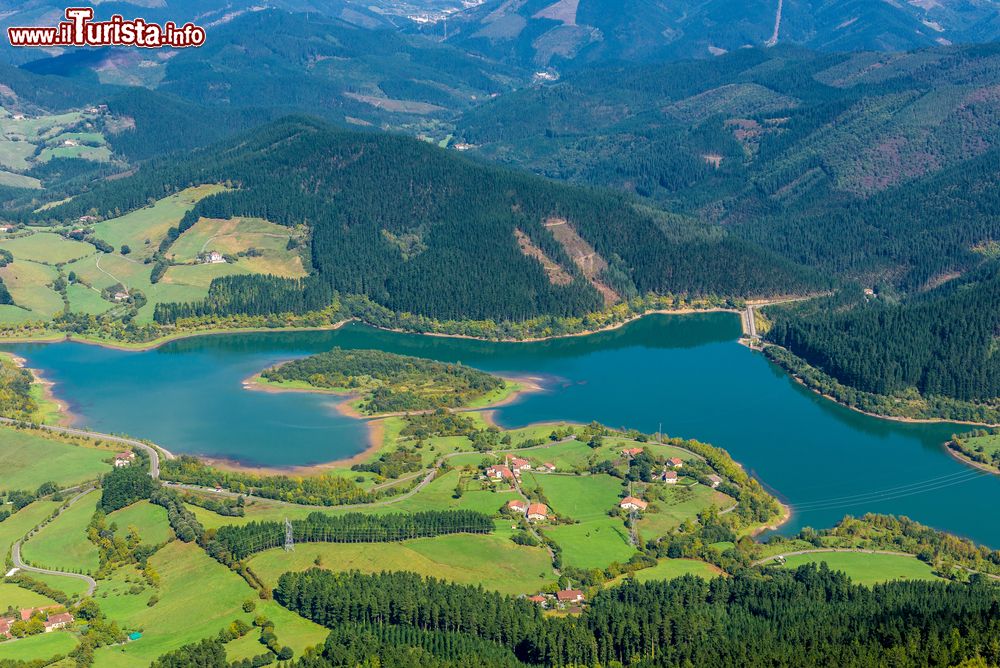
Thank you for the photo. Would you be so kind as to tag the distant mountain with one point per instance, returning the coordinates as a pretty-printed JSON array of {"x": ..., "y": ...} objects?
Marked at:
[
  {"x": 813, "y": 155},
  {"x": 569, "y": 33}
]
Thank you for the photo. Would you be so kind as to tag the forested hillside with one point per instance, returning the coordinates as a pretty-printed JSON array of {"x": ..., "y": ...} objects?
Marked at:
[
  {"x": 873, "y": 166},
  {"x": 809, "y": 616},
  {"x": 942, "y": 342},
  {"x": 565, "y": 35},
  {"x": 424, "y": 231}
]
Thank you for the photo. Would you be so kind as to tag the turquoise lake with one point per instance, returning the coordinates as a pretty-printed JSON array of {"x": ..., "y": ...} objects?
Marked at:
[{"x": 686, "y": 372}]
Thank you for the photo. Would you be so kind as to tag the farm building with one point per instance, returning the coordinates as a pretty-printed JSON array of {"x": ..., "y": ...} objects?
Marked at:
[
  {"x": 59, "y": 621},
  {"x": 570, "y": 596},
  {"x": 633, "y": 503},
  {"x": 632, "y": 452},
  {"x": 517, "y": 506},
  {"x": 212, "y": 257},
  {"x": 518, "y": 464},
  {"x": 124, "y": 459},
  {"x": 538, "y": 511},
  {"x": 675, "y": 462},
  {"x": 669, "y": 477},
  {"x": 548, "y": 467},
  {"x": 714, "y": 480},
  {"x": 499, "y": 473}
]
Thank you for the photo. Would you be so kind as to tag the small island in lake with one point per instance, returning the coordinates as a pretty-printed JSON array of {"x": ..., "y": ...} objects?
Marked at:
[{"x": 388, "y": 383}]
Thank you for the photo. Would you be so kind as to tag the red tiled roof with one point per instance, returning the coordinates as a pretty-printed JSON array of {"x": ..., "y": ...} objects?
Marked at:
[
  {"x": 538, "y": 598},
  {"x": 538, "y": 509},
  {"x": 632, "y": 451},
  {"x": 670, "y": 475},
  {"x": 61, "y": 618},
  {"x": 515, "y": 503},
  {"x": 569, "y": 594},
  {"x": 634, "y": 501},
  {"x": 676, "y": 461}
]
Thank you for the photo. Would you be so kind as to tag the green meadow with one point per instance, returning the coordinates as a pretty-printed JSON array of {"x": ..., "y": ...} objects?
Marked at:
[
  {"x": 867, "y": 568},
  {"x": 44, "y": 645},
  {"x": 12, "y": 596},
  {"x": 197, "y": 597},
  {"x": 63, "y": 544},
  {"x": 65, "y": 464},
  {"x": 46, "y": 248},
  {"x": 668, "y": 569},
  {"x": 149, "y": 520},
  {"x": 495, "y": 562}
]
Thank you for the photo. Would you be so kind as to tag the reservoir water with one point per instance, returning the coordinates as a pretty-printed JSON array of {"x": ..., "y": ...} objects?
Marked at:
[{"x": 686, "y": 372}]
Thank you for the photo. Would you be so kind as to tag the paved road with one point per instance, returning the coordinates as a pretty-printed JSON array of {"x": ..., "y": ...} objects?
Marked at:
[
  {"x": 18, "y": 563},
  {"x": 154, "y": 453}
]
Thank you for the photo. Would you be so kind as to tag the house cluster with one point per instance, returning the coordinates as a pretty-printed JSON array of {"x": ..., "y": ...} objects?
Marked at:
[
  {"x": 512, "y": 468},
  {"x": 566, "y": 598},
  {"x": 123, "y": 459},
  {"x": 535, "y": 512},
  {"x": 50, "y": 620}
]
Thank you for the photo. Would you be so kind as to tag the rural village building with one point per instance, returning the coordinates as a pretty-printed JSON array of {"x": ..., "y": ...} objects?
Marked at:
[
  {"x": 670, "y": 477},
  {"x": 538, "y": 511},
  {"x": 569, "y": 596},
  {"x": 499, "y": 473},
  {"x": 633, "y": 503},
  {"x": 714, "y": 480},
  {"x": 632, "y": 452},
  {"x": 519, "y": 464},
  {"x": 517, "y": 506},
  {"x": 213, "y": 257},
  {"x": 59, "y": 621},
  {"x": 549, "y": 467},
  {"x": 675, "y": 462},
  {"x": 51, "y": 622},
  {"x": 538, "y": 598},
  {"x": 124, "y": 459}
]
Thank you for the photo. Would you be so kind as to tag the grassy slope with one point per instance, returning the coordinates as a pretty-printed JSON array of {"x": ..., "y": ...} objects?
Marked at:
[
  {"x": 492, "y": 561},
  {"x": 28, "y": 283},
  {"x": 15, "y": 526},
  {"x": 198, "y": 596},
  {"x": 29, "y": 460},
  {"x": 149, "y": 520},
  {"x": 597, "y": 539},
  {"x": 668, "y": 569},
  {"x": 152, "y": 223},
  {"x": 868, "y": 569},
  {"x": 62, "y": 544},
  {"x": 44, "y": 645},
  {"x": 14, "y": 596}
]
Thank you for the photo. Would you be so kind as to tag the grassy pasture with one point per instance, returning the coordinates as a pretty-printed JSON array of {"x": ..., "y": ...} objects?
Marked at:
[
  {"x": 14, "y": 154},
  {"x": 866, "y": 568},
  {"x": 14, "y": 527},
  {"x": 151, "y": 222},
  {"x": 198, "y": 596},
  {"x": 62, "y": 544},
  {"x": 13, "y": 596},
  {"x": 236, "y": 235},
  {"x": 68, "y": 586},
  {"x": 598, "y": 539},
  {"x": 44, "y": 645},
  {"x": 667, "y": 514},
  {"x": 149, "y": 520},
  {"x": 30, "y": 459},
  {"x": 493, "y": 561},
  {"x": 46, "y": 248},
  {"x": 83, "y": 299},
  {"x": 668, "y": 569},
  {"x": 28, "y": 283},
  {"x": 81, "y": 152},
  {"x": 19, "y": 180}
]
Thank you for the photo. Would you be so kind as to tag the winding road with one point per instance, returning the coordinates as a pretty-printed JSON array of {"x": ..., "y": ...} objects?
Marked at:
[{"x": 20, "y": 565}]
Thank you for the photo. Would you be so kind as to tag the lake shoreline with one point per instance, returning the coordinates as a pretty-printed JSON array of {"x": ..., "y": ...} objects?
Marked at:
[
  {"x": 375, "y": 426},
  {"x": 61, "y": 337}
]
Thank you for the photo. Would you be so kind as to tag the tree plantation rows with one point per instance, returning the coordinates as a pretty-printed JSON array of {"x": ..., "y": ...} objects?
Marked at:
[{"x": 244, "y": 540}]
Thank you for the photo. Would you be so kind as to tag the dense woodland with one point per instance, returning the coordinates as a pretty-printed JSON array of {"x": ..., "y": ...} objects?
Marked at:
[
  {"x": 809, "y": 616},
  {"x": 422, "y": 231},
  {"x": 389, "y": 382},
  {"x": 15, "y": 390},
  {"x": 942, "y": 342}
]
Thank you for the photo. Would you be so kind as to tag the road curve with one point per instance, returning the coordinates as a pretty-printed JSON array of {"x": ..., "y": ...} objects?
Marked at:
[
  {"x": 154, "y": 453},
  {"x": 18, "y": 563}
]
